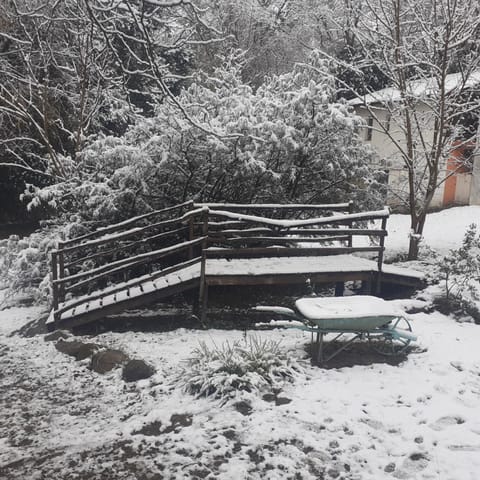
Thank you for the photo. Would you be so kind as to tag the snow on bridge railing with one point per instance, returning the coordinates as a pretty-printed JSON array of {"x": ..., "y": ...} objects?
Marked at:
[
  {"x": 102, "y": 231},
  {"x": 334, "y": 207},
  {"x": 334, "y": 219}
]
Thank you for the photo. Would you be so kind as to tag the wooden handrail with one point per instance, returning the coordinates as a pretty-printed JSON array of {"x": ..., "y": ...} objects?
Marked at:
[
  {"x": 126, "y": 246},
  {"x": 120, "y": 265},
  {"x": 301, "y": 231},
  {"x": 280, "y": 239},
  {"x": 129, "y": 233},
  {"x": 334, "y": 219},
  {"x": 125, "y": 223},
  {"x": 334, "y": 207},
  {"x": 286, "y": 251}
]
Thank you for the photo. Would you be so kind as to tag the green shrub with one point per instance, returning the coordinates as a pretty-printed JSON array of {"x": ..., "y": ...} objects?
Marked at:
[
  {"x": 25, "y": 263},
  {"x": 250, "y": 365},
  {"x": 459, "y": 271}
]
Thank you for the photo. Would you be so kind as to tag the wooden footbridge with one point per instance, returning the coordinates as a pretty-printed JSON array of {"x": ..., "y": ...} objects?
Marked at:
[{"x": 194, "y": 246}]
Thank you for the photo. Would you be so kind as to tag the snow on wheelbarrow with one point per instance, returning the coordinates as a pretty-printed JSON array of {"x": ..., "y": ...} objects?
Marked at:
[{"x": 379, "y": 321}]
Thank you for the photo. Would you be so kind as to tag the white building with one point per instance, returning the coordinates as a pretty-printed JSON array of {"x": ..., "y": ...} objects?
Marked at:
[{"x": 384, "y": 133}]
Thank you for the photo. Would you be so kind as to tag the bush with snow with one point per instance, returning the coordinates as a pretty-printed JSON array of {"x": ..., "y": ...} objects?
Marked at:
[
  {"x": 459, "y": 272},
  {"x": 25, "y": 263},
  {"x": 288, "y": 141},
  {"x": 250, "y": 365}
]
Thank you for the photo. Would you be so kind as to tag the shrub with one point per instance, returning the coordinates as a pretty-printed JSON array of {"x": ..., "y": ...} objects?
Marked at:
[
  {"x": 249, "y": 365},
  {"x": 25, "y": 265},
  {"x": 460, "y": 273}
]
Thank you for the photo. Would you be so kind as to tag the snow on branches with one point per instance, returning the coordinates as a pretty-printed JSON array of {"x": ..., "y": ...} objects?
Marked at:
[{"x": 287, "y": 141}]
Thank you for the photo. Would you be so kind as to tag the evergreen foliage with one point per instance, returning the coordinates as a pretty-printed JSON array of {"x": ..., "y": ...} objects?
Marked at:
[{"x": 251, "y": 365}]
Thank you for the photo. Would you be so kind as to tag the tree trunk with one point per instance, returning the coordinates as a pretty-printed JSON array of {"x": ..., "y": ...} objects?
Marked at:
[{"x": 416, "y": 231}]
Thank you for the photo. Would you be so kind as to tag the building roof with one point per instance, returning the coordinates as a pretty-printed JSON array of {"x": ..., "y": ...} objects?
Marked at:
[{"x": 421, "y": 89}]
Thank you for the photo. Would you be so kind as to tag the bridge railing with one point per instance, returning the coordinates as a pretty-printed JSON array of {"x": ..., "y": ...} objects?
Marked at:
[
  {"x": 253, "y": 236},
  {"x": 160, "y": 240},
  {"x": 167, "y": 240}
]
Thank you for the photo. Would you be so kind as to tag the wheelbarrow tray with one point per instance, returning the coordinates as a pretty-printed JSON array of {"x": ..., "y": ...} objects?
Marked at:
[
  {"x": 363, "y": 316},
  {"x": 360, "y": 313}
]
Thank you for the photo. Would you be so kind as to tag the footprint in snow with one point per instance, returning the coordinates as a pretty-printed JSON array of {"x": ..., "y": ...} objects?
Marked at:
[
  {"x": 375, "y": 424},
  {"x": 444, "y": 422},
  {"x": 415, "y": 462}
]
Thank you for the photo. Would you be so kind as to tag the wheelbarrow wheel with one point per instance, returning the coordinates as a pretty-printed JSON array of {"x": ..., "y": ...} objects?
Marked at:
[{"x": 389, "y": 344}]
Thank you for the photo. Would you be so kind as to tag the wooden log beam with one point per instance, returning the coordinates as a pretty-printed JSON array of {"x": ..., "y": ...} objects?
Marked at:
[
  {"x": 129, "y": 233},
  {"x": 127, "y": 263},
  {"x": 124, "y": 247},
  {"x": 334, "y": 207},
  {"x": 121, "y": 225},
  {"x": 214, "y": 252}
]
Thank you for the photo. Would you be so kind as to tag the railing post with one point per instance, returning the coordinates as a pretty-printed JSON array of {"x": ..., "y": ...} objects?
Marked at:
[
  {"x": 191, "y": 235},
  {"x": 203, "y": 292},
  {"x": 378, "y": 280},
  {"x": 53, "y": 266},
  {"x": 61, "y": 271},
  {"x": 350, "y": 224}
]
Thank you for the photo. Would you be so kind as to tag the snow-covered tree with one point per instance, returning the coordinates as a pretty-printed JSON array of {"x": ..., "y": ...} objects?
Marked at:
[
  {"x": 51, "y": 84},
  {"x": 417, "y": 46},
  {"x": 288, "y": 141}
]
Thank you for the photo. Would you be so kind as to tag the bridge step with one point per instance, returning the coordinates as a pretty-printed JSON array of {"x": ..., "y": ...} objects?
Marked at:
[{"x": 134, "y": 294}]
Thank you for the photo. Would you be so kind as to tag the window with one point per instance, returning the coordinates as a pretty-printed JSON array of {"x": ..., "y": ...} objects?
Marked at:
[
  {"x": 387, "y": 122},
  {"x": 368, "y": 135}
]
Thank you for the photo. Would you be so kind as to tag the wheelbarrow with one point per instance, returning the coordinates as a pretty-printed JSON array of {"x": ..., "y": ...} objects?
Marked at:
[{"x": 360, "y": 317}]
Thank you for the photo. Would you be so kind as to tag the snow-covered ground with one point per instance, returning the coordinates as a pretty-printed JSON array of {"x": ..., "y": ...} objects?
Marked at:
[
  {"x": 444, "y": 230},
  {"x": 417, "y": 420}
]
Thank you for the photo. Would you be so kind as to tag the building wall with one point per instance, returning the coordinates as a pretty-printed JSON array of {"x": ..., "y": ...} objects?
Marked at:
[
  {"x": 463, "y": 189},
  {"x": 390, "y": 158},
  {"x": 475, "y": 187}
]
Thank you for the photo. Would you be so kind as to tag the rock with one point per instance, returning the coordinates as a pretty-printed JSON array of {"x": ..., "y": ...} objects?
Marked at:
[
  {"x": 56, "y": 335},
  {"x": 418, "y": 440},
  {"x": 87, "y": 350},
  {"x": 390, "y": 468},
  {"x": 282, "y": 401},
  {"x": 415, "y": 457},
  {"x": 107, "y": 360},
  {"x": 77, "y": 349},
  {"x": 269, "y": 397},
  {"x": 243, "y": 407},
  {"x": 333, "y": 473},
  {"x": 69, "y": 348},
  {"x": 151, "y": 429},
  {"x": 135, "y": 370}
]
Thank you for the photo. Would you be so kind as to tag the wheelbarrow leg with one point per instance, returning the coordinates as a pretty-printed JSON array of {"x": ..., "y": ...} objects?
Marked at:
[{"x": 320, "y": 348}]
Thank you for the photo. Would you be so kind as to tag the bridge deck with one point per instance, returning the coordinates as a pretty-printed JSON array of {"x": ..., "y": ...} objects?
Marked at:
[{"x": 245, "y": 271}]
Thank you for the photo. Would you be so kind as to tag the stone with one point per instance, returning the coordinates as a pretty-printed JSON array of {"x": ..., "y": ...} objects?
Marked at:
[
  {"x": 77, "y": 349},
  {"x": 56, "y": 335},
  {"x": 107, "y": 360},
  {"x": 243, "y": 407},
  {"x": 87, "y": 350},
  {"x": 69, "y": 348},
  {"x": 152, "y": 429},
  {"x": 390, "y": 468},
  {"x": 135, "y": 370},
  {"x": 269, "y": 397}
]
